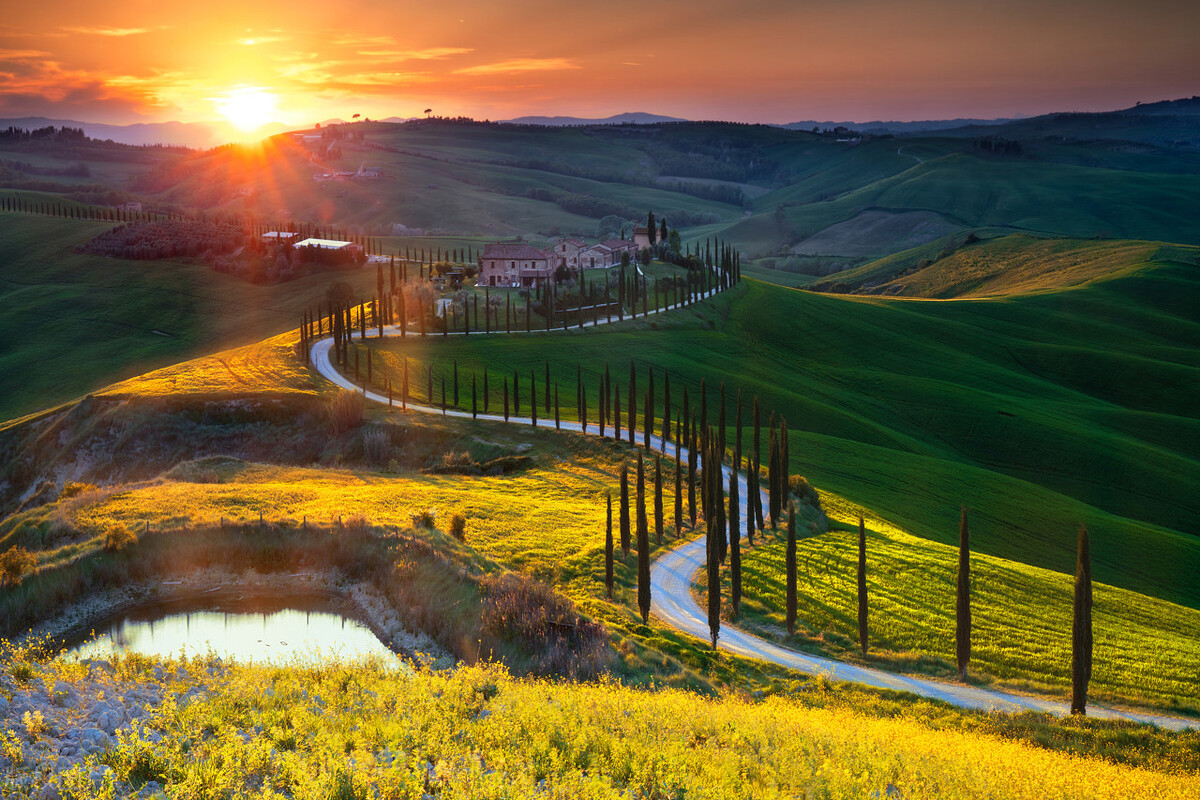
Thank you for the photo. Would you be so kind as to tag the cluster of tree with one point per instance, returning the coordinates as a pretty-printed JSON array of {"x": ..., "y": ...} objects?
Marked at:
[
  {"x": 14, "y": 134},
  {"x": 166, "y": 239},
  {"x": 717, "y": 192},
  {"x": 998, "y": 145},
  {"x": 76, "y": 170}
]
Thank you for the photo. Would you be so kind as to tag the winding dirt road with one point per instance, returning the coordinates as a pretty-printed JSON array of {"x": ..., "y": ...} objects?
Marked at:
[{"x": 673, "y": 605}]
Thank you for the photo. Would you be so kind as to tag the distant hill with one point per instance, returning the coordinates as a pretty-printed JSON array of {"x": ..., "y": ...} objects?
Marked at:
[
  {"x": 183, "y": 134},
  {"x": 880, "y": 128},
  {"x": 628, "y": 118},
  {"x": 1169, "y": 123}
]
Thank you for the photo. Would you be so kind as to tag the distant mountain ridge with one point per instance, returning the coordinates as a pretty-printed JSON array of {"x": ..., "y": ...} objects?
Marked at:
[
  {"x": 879, "y": 127},
  {"x": 178, "y": 134},
  {"x": 628, "y": 118}
]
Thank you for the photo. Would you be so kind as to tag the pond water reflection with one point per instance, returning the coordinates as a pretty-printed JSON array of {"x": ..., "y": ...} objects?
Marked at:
[{"x": 259, "y": 629}]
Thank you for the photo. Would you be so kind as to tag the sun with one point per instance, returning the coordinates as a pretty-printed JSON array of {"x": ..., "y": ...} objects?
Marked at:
[{"x": 247, "y": 108}]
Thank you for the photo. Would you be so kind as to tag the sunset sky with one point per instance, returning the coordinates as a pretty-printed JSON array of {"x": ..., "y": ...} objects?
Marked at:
[{"x": 750, "y": 60}]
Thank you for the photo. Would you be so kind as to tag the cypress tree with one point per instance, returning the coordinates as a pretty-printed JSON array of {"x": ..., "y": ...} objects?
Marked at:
[
  {"x": 678, "y": 497},
  {"x": 791, "y": 570},
  {"x": 658, "y": 500},
  {"x": 632, "y": 397},
  {"x": 643, "y": 545},
  {"x": 718, "y": 501},
  {"x": 583, "y": 414},
  {"x": 624, "y": 509},
  {"x": 721, "y": 427},
  {"x": 750, "y": 489},
  {"x": 648, "y": 412},
  {"x": 714, "y": 583},
  {"x": 862, "y": 585},
  {"x": 962, "y": 631},
  {"x": 735, "y": 545},
  {"x": 757, "y": 493},
  {"x": 692, "y": 475},
  {"x": 737, "y": 436},
  {"x": 1081, "y": 627},
  {"x": 557, "y": 418},
  {"x": 666, "y": 429},
  {"x": 608, "y": 552},
  {"x": 617, "y": 413},
  {"x": 772, "y": 477},
  {"x": 681, "y": 429},
  {"x": 533, "y": 404}
]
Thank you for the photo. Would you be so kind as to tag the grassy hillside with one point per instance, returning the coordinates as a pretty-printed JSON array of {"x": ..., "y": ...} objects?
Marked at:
[
  {"x": 1021, "y": 635},
  {"x": 988, "y": 263},
  {"x": 74, "y": 323},
  {"x": 1038, "y": 412}
]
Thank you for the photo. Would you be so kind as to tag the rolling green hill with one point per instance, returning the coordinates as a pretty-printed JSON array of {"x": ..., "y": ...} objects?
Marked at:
[
  {"x": 1039, "y": 412},
  {"x": 73, "y": 323}
]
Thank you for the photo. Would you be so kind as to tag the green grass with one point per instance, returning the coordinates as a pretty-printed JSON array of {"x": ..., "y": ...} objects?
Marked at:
[
  {"x": 1021, "y": 615},
  {"x": 1038, "y": 412},
  {"x": 82, "y": 322}
]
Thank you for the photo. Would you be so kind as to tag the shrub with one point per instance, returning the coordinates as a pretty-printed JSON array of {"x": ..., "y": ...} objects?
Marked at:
[
  {"x": 73, "y": 489},
  {"x": 801, "y": 489},
  {"x": 558, "y": 639},
  {"x": 15, "y": 563},
  {"x": 346, "y": 411},
  {"x": 118, "y": 537},
  {"x": 458, "y": 527},
  {"x": 424, "y": 519},
  {"x": 377, "y": 444}
]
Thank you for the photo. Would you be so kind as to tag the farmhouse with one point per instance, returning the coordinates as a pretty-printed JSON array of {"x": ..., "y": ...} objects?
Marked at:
[
  {"x": 326, "y": 244},
  {"x": 641, "y": 236},
  {"x": 514, "y": 265},
  {"x": 279, "y": 236},
  {"x": 566, "y": 252}
]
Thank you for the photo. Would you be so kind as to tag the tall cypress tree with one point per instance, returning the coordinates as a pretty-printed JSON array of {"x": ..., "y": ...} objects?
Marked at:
[
  {"x": 751, "y": 488},
  {"x": 735, "y": 548},
  {"x": 717, "y": 487},
  {"x": 678, "y": 497},
  {"x": 692, "y": 475},
  {"x": 757, "y": 493},
  {"x": 643, "y": 545},
  {"x": 648, "y": 411},
  {"x": 862, "y": 585},
  {"x": 1081, "y": 627},
  {"x": 658, "y": 500},
  {"x": 666, "y": 418},
  {"x": 624, "y": 509},
  {"x": 474, "y": 399},
  {"x": 617, "y": 413},
  {"x": 533, "y": 404},
  {"x": 714, "y": 582},
  {"x": 608, "y": 552},
  {"x": 632, "y": 398},
  {"x": 773, "y": 478},
  {"x": 557, "y": 419},
  {"x": 962, "y": 630},
  {"x": 791, "y": 570}
]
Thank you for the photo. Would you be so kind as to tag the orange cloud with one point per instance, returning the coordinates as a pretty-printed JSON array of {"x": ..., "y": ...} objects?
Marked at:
[
  {"x": 104, "y": 30},
  {"x": 514, "y": 65},
  {"x": 417, "y": 55}
]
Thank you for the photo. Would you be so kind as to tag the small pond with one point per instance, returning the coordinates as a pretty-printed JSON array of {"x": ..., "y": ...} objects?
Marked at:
[{"x": 262, "y": 629}]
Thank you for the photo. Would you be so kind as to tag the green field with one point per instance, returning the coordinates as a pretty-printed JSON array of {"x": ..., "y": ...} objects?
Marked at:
[
  {"x": 1037, "y": 412},
  {"x": 75, "y": 323}
]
